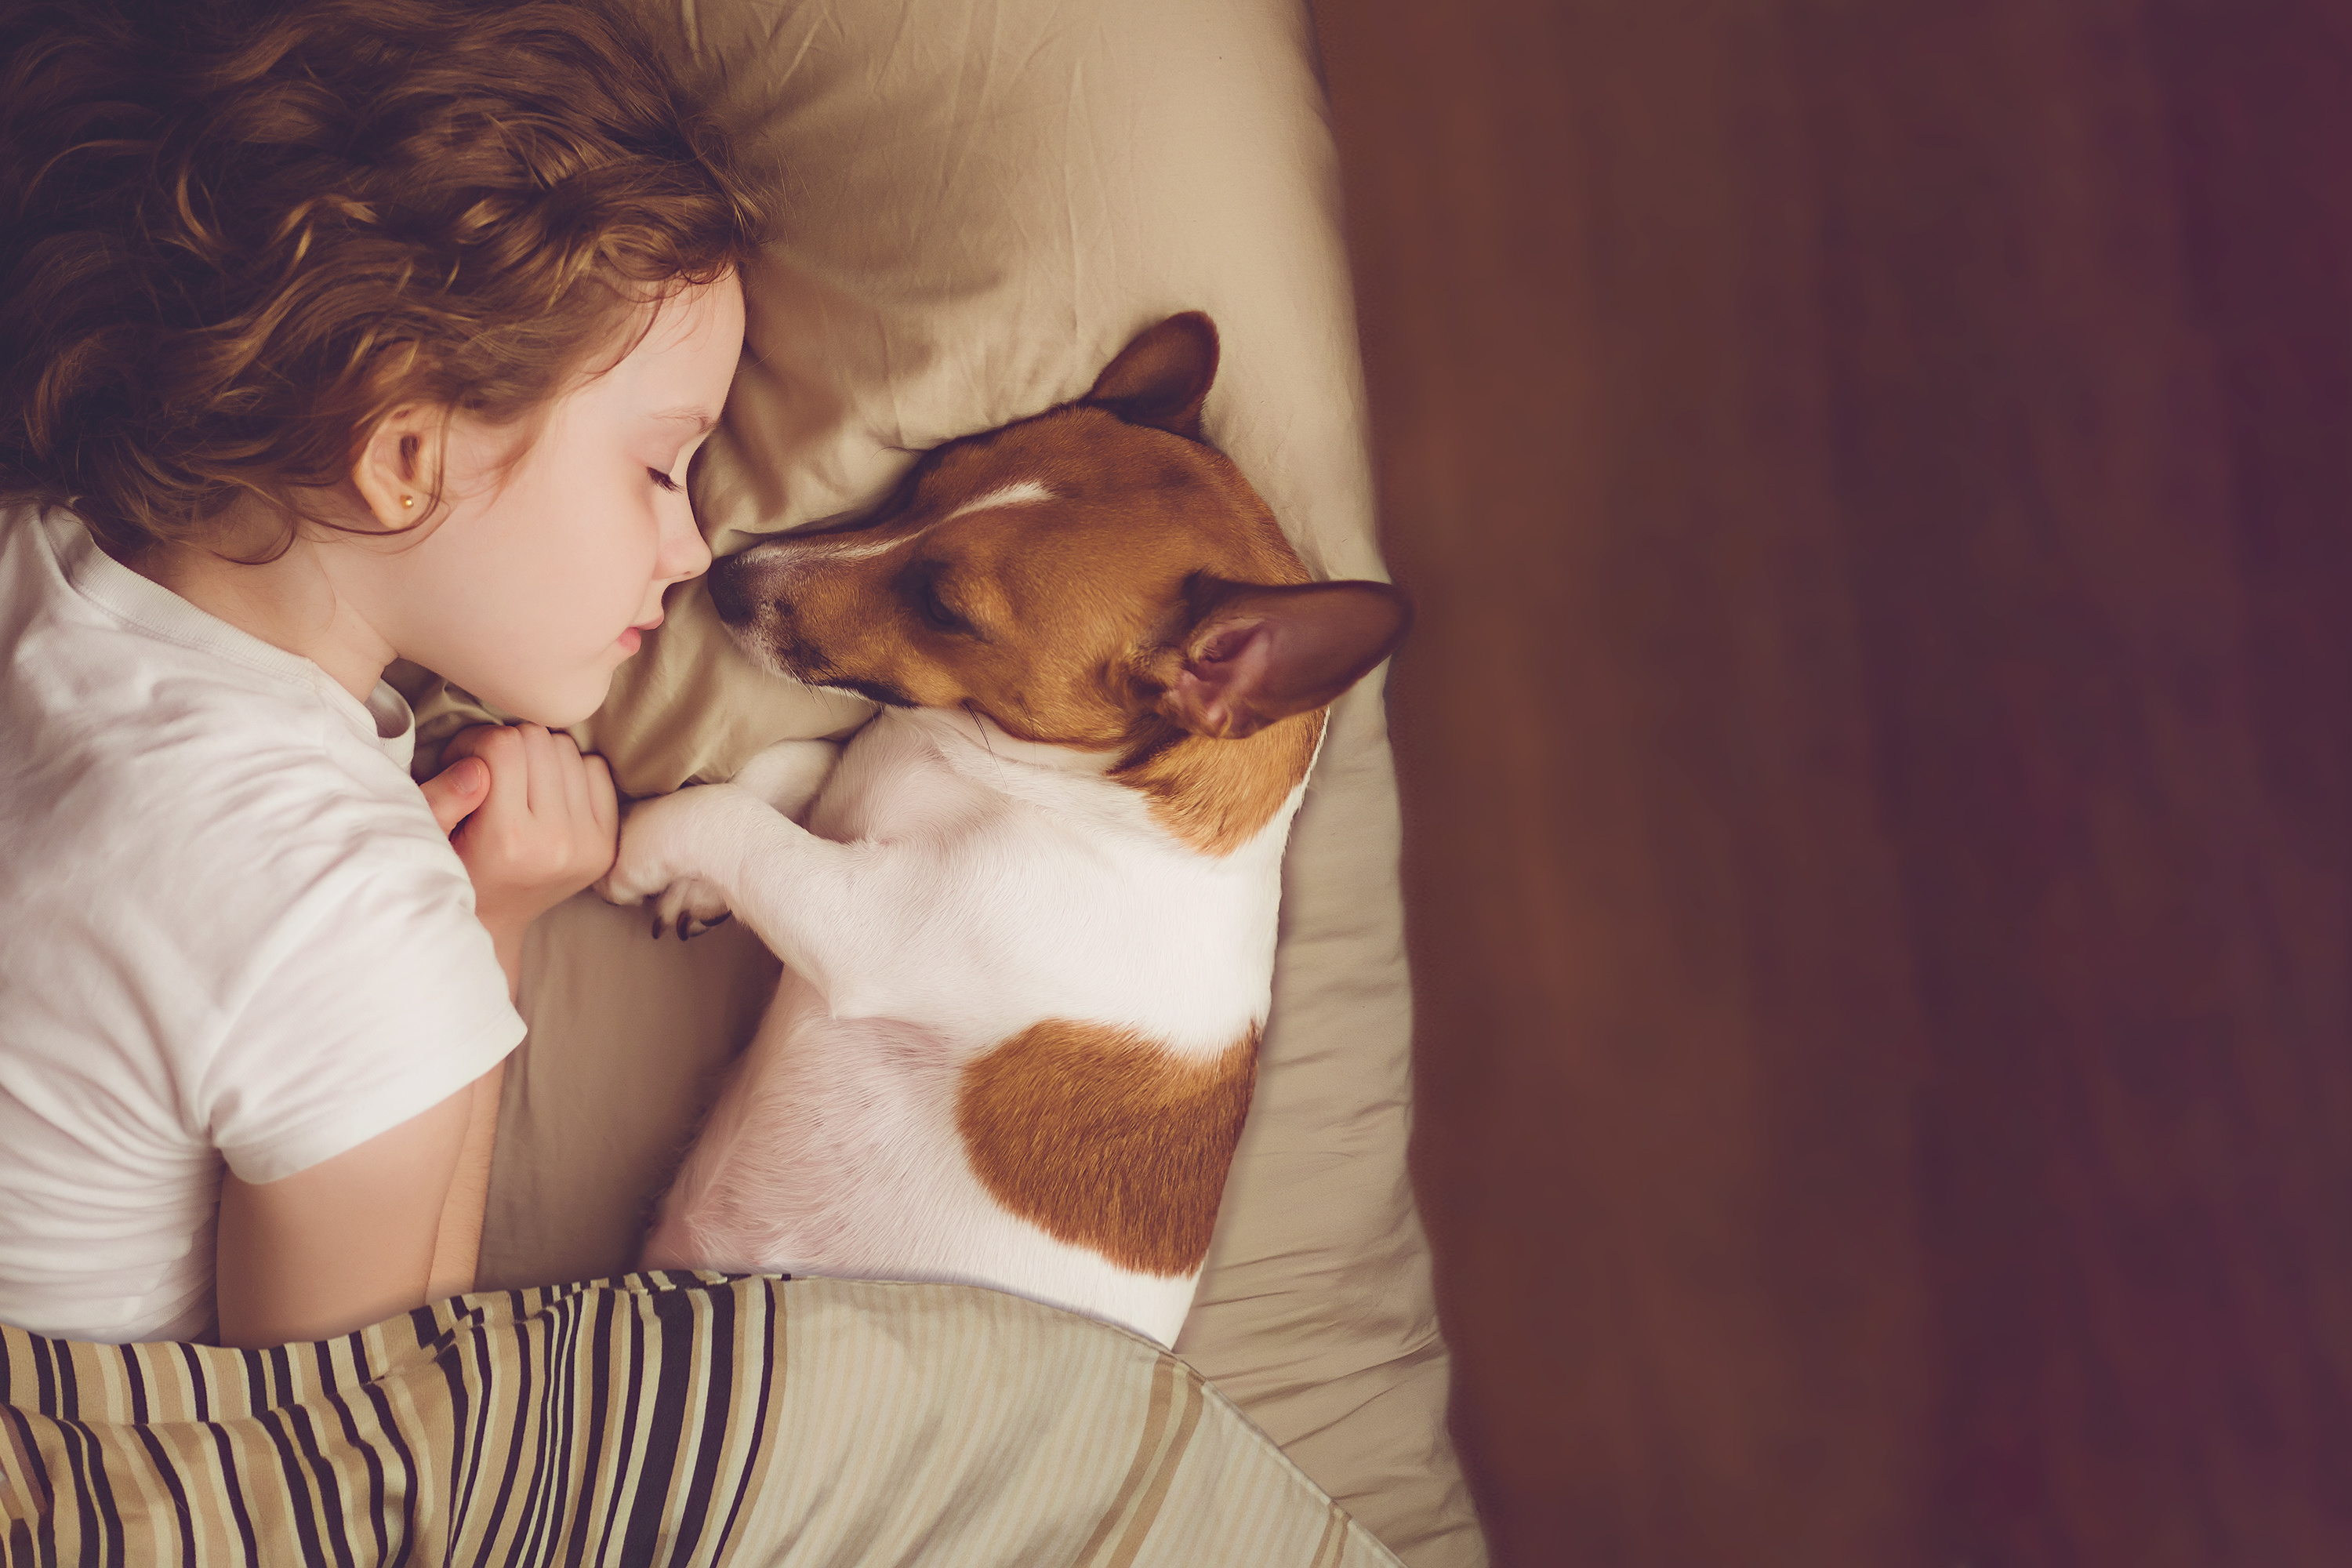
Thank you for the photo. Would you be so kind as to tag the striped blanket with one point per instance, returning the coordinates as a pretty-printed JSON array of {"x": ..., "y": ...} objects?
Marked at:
[{"x": 656, "y": 1419}]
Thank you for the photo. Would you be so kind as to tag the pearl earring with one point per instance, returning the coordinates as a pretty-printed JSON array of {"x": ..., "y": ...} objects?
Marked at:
[{"x": 406, "y": 501}]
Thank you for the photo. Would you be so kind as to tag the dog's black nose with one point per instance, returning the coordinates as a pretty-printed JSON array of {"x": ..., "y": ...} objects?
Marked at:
[{"x": 730, "y": 589}]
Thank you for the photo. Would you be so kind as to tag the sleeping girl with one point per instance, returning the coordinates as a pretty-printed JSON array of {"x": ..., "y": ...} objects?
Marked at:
[{"x": 331, "y": 333}]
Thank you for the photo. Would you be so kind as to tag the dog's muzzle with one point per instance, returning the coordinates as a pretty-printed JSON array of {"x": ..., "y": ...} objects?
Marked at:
[{"x": 733, "y": 588}]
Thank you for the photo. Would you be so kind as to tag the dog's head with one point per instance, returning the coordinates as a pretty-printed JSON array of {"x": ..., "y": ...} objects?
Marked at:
[{"x": 1079, "y": 577}]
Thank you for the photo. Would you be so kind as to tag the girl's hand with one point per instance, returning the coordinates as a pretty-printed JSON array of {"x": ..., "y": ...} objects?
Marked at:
[{"x": 545, "y": 828}]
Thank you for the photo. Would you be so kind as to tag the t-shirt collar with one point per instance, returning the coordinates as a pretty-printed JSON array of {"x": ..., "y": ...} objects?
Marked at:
[{"x": 385, "y": 719}]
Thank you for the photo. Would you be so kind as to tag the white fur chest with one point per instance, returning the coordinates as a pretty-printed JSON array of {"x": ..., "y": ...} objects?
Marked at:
[{"x": 1007, "y": 883}]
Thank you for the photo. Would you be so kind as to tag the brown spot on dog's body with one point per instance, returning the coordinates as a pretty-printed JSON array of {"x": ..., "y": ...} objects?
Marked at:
[{"x": 1106, "y": 1141}]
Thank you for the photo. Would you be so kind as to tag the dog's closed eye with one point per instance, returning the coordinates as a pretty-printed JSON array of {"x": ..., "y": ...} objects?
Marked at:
[{"x": 937, "y": 613}]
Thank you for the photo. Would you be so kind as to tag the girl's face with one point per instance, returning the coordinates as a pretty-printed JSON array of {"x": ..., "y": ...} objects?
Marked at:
[{"x": 539, "y": 578}]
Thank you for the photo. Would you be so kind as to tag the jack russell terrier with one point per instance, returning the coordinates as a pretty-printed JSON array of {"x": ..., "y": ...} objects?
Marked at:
[{"x": 1029, "y": 929}]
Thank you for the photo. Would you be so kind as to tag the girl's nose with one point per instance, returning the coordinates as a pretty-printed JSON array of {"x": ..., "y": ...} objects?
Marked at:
[{"x": 684, "y": 553}]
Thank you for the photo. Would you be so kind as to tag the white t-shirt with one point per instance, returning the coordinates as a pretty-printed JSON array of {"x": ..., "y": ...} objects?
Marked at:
[{"x": 229, "y": 930}]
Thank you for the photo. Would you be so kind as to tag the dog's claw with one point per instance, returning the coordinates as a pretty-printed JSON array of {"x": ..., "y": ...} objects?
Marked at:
[
  {"x": 660, "y": 926},
  {"x": 692, "y": 926}
]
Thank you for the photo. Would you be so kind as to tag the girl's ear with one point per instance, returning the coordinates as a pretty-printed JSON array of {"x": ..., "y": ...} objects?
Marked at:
[
  {"x": 400, "y": 465},
  {"x": 1258, "y": 654}
]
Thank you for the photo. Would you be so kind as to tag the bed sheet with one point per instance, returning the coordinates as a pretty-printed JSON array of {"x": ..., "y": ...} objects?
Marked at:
[{"x": 980, "y": 202}]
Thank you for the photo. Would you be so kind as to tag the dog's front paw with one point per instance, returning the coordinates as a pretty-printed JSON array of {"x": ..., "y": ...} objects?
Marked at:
[
  {"x": 650, "y": 866},
  {"x": 788, "y": 776},
  {"x": 690, "y": 908}
]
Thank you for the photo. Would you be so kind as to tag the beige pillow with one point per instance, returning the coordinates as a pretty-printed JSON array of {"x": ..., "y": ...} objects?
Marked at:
[{"x": 981, "y": 205}]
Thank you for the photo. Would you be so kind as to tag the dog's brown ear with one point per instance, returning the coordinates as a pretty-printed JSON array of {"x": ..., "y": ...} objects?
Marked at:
[
  {"x": 1259, "y": 654},
  {"x": 1163, "y": 377}
]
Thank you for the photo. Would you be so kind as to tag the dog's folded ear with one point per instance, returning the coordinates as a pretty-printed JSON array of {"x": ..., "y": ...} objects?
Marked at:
[
  {"x": 1257, "y": 654},
  {"x": 1163, "y": 377}
]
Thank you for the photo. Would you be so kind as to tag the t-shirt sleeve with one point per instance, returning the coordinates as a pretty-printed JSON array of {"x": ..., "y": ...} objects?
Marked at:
[{"x": 377, "y": 997}]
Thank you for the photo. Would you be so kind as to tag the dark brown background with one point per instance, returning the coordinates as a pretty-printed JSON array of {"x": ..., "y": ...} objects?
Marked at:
[{"x": 1878, "y": 479}]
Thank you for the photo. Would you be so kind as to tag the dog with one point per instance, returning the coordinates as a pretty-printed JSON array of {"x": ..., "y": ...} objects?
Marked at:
[{"x": 1028, "y": 932}]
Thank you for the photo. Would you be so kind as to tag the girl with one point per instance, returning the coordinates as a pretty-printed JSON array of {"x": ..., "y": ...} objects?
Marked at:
[{"x": 330, "y": 333}]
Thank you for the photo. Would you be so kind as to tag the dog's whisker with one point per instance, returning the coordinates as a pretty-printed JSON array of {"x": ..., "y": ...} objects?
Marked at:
[{"x": 972, "y": 712}]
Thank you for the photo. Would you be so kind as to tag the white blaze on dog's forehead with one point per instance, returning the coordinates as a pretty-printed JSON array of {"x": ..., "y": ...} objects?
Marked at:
[
  {"x": 1006, "y": 495},
  {"x": 863, "y": 549},
  {"x": 857, "y": 545},
  {"x": 843, "y": 547}
]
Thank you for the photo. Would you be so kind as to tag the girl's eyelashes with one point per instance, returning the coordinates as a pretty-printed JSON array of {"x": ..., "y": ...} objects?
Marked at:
[{"x": 662, "y": 479}]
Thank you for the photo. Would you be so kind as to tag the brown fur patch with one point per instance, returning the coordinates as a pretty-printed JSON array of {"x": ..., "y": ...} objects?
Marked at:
[
  {"x": 1215, "y": 795},
  {"x": 1105, "y": 1141}
]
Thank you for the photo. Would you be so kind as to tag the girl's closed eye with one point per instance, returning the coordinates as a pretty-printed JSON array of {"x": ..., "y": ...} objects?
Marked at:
[{"x": 662, "y": 479}]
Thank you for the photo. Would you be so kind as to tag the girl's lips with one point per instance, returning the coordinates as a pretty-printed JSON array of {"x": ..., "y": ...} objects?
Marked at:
[{"x": 630, "y": 639}]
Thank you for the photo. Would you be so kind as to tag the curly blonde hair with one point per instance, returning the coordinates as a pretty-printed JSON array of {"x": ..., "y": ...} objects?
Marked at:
[{"x": 237, "y": 234}]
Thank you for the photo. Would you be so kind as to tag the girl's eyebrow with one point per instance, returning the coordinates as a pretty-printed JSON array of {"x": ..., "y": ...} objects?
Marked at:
[{"x": 703, "y": 419}]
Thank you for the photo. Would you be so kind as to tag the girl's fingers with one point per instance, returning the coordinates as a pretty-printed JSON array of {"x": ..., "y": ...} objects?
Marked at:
[
  {"x": 548, "y": 803},
  {"x": 575, "y": 781},
  {"x": 545, "y": 793},
  {"x": 502, "y": 749},
  {"x": 603, "y": 799},
  {"x": 456, "y": 791},
  {"x": 604, "y": 812}
]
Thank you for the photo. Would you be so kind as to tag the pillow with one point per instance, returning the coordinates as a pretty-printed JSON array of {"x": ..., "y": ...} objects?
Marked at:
[{"x": 980, "y": 206}]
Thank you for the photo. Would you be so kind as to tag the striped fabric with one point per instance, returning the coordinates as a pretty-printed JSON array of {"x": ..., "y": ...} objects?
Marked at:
[{"x": 656, "y": 1419}]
